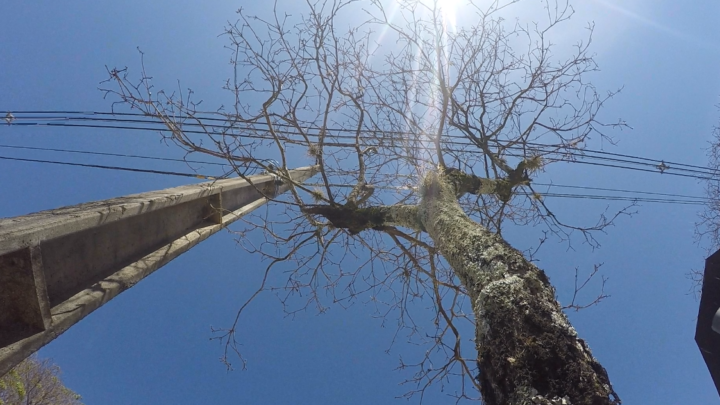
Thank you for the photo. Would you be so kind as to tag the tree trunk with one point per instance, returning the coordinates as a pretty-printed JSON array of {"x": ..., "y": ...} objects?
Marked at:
[{"x": 528, "y": 353}]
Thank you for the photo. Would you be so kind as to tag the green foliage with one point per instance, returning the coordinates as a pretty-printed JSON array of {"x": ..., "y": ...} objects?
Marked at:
[
  {"x": 36, "y": 382},
  {"x": 13, "y": 385}
]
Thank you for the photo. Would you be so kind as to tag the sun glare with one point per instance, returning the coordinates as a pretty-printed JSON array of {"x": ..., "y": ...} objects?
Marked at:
[{"x": 448, "y": 9}]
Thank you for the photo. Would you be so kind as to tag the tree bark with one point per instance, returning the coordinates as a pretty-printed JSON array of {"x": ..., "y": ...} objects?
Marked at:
[{"x": 528, "y": 353}]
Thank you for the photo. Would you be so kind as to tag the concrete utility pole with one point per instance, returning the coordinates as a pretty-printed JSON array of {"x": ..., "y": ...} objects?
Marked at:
[{"x": 58, "y": 266}]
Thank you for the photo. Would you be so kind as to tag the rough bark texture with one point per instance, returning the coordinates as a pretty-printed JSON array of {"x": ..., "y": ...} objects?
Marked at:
[
  {"x": 528, "y": 353},
  {"x": 356, "y": 220}
]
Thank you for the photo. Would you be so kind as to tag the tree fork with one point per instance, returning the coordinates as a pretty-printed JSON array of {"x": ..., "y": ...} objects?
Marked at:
[{"x": 528, "y": 353}]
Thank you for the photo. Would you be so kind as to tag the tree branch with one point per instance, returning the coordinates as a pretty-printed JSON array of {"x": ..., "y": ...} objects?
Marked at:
[{"x": 356, "y": 220}]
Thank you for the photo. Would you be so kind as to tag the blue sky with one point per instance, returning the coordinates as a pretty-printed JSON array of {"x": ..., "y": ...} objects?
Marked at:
[{"x": 150, "y": 345}]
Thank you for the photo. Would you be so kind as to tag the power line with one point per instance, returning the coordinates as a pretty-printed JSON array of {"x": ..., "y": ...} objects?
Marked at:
[
  {"x": 623, "y": 198},
  {"x": 230, "y": 118},
  {"x": 682, "y": 200},
  {"x": 618, "y": 190},
  {"x": 130, "y": 169},
  {"x": 657, "y": 165},
  {"x": 111, "y": 154},
  {"x": 640, "y": 169},
  {"x": 707, "y": 173},
  {"x": 696, "y": 201},
  {"x": 620, "y": 161}
]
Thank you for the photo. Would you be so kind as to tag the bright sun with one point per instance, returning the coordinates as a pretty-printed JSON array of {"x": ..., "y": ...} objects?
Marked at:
[{"x": 448, "y": 8}]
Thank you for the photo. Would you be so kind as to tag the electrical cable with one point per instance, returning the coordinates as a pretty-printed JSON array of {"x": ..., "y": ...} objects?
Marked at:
[
  {"x": 691, "y": 171},
  {"x": 111, "y": 154},
  {"x": 582, "y": 153},
  {"x": 691, "y": 200},
  {"x": 707, "y": 173},
  {"x": 130, "y": 169},
  {"x": 227, "y": 117},
  {"x": 558, "y": 195},
  {"x": 199, "y": 117},
  {"x": 618, "y": 190}
]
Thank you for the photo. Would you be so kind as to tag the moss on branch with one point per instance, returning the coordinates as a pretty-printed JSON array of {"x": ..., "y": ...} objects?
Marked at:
[
  {"x": 465, "y": 183},
  {"x": 356, "y": 220}
]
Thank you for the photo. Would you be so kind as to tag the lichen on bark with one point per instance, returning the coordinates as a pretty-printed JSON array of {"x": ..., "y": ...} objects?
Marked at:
[
  {"x": 528, "y": 353},
  {"x": 356, "y": 220}
]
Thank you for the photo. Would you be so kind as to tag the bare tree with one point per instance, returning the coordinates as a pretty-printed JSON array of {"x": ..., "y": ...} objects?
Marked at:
[
  {"x": 709, "y": 224},
  {"x": 707, "y": 228},
  {"x": 35, "y": 382},
  {"x": 427, "y": 139}
]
